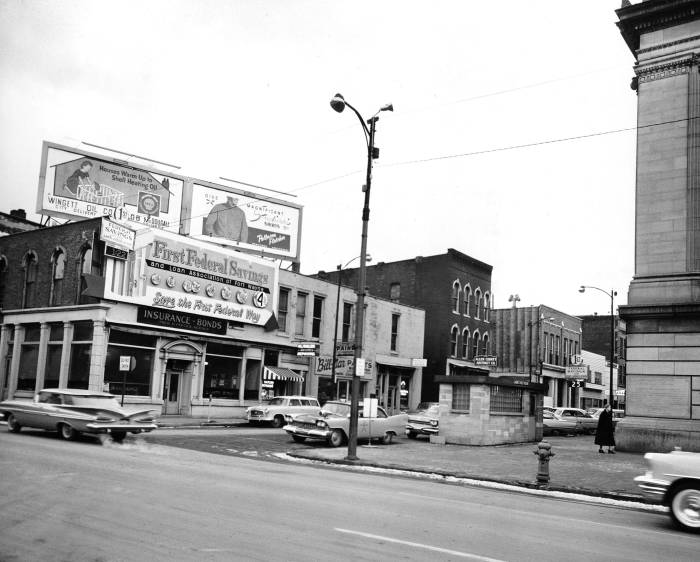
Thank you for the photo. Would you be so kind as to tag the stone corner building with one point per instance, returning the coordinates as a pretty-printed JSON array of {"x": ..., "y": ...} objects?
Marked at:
[{"x": 663, "y": 311}]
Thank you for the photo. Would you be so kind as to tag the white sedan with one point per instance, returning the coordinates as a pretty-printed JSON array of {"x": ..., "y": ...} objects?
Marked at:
[{"x": 674, "y": 479}]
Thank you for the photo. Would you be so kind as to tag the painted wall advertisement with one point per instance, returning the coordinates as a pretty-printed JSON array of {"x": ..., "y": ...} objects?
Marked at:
[
  {"x": 245, "y": 221},
  {"x": 79, "y": 185},
  {"x": 178, "y": 274}
]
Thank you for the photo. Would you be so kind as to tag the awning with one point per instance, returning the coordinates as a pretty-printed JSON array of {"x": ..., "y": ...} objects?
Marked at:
[{"x": 281, "y": 374}]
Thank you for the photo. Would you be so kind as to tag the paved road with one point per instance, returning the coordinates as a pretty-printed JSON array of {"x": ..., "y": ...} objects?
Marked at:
[{"x": 144, "y": 501}]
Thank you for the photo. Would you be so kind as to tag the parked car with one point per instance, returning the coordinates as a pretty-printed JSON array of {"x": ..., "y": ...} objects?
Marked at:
[
  {"x": 333, "y": 423},
  {"x": 588, "y": 423},
  {"x": 276, "y": 410},
  {"x": 424, "y": 420},
  {"x": 74, "y": 411},
  {"x": 617, "y": 414},
  {"x": 674, "y": 480},
  {"x": 556, "y": 425}
]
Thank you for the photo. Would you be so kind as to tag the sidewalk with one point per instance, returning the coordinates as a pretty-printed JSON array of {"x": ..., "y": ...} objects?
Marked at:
[{"x": 576, "y": 467}]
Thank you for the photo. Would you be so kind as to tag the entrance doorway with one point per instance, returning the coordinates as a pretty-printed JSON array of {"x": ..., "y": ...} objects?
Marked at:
[{"x": 174, "y": 387}]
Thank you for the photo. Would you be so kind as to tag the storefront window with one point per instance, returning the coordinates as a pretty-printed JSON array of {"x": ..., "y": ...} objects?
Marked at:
[
  {"x": 134, "y": 382},
  {"x": 8, "y": 359},
  {"x": 221, "y": 377},
  {"x": 29, "y": 358},
  {"x": 252, "y": 380},
  {"x": 80, "y": 352},
  {"x": 54, "y": 351}
]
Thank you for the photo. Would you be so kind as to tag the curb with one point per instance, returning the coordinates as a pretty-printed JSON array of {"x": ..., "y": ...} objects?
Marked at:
[
  {"x": 201, "y": 425},
  {"x": 526, "y": 485}
]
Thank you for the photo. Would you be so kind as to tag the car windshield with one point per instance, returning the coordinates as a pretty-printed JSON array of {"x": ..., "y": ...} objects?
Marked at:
[
  {"x": 336, "y": 408},
  {"x": 91, "y": 401}
]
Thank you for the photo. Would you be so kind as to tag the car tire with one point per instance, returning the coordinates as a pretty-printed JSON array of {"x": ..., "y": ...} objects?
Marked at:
[
  {"x": 118, "y": 436},
  {"x": 684, "y": 504},
  {"x": 412, "y": 435},
  {"x": 387, "y": 438},
  {"x": 13, "y": 425},
  {"x": 336, "y": 438},
  {"x": 67, "y": 432},
  {"x": 278, "y": 421},
  {"x": 299, "y": 438}
]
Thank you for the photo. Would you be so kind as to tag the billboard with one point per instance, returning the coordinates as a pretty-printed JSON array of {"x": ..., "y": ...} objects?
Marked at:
[
  {"x": 177, "y": 274},
  {"x": 82, "y": 185},
  {"x": 244, "y": 220}
]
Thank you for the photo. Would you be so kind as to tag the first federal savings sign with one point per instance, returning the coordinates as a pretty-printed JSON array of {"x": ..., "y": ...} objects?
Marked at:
[{"x": 179, "y": 274}]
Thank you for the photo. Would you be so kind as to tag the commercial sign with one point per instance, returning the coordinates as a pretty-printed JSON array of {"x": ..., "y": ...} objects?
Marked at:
[
  {"x": 306, "y": 349},
  {"x": 344, "y": 349},
  {"x": 344, "y": 366},
  {"x": 245, "y": 221},
  {"x": 485, "y": 360},
  {"x": 78, "y": 184},
  {"x": 576, "y": 371},
  {"x": 117, "y": 235},
  {"x": 177, "y": 274},
  {"x": 180, "y": 320}
]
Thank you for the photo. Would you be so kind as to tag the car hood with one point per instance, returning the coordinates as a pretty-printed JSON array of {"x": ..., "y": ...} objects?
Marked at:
[{"x": 115, "y": 412}]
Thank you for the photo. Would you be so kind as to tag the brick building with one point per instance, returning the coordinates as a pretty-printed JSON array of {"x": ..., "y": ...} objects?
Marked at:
[
  {"x": 454, "y": 289},
  {"x": 596, "y": 339},
  {"x": 73, "y": 308}
]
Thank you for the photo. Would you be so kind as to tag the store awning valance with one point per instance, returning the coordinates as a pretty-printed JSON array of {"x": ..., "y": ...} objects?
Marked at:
[{"x": 281, "y": 374}]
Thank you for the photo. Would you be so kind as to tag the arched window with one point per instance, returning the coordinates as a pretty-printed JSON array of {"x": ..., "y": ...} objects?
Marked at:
[
  {"x": 475, "y": 344},
  {"x": 455, "y": 296},
  {"x": 486, "y": 345},
  {"x": 465, "y": 343},
  {"x": 29, "y": 263},
  {"x": 58, "y": 267},
  {"x": 467, "y": 299},
  {"x": 477, "y": 304},
  {"x": 487, "y": 306},
  {"x": 85, "y": 267},
  {"x": 454, "y": 336}
]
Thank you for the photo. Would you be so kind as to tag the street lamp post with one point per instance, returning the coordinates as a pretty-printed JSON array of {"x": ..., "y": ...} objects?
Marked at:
[
  {"x": 337, "y": 311},
  {"x": 338, "y": 104},
  {"x": 612, "y": 294}
]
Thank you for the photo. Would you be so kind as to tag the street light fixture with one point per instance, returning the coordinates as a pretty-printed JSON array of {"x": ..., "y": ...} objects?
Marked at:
[
  {"x": 338, "y": 104},
  {"x": 337, "y": 310},
  {"x": 612, "y": 294}
]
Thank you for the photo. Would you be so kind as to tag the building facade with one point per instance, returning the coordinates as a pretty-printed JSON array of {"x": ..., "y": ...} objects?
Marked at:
[
  {"x": 184, "y": 325},
  {"x": 454, "y": 289},
  {"x": 663, "y": 310},
  {"x": 538, "y": 343},
  {"x": 596, "y": 340}
]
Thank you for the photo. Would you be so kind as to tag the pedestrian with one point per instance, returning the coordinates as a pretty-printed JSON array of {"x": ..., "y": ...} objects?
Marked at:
[{"x": 605, "y": 434}]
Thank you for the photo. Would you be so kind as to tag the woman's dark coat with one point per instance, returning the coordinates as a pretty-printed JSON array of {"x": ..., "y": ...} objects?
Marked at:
[{"x": 605, "y": 434}]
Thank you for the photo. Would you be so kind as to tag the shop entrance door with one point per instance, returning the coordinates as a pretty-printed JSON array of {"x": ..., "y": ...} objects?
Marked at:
[{"x": 171, "y": 391}]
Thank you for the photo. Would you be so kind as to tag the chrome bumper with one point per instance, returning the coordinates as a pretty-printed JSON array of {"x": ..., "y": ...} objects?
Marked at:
[
  {"x": 652, "y": 487},
  {"x": 310, "y": 433},
  {"x": 111, "y": 427},
  {"x": 424, "y": 429}
]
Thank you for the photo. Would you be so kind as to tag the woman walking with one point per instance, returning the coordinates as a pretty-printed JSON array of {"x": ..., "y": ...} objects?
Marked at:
[{"x": 605, "y": 434}]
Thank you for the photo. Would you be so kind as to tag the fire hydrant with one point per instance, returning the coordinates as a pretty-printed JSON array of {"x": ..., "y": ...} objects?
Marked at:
[{"x": 544, "y": 453}]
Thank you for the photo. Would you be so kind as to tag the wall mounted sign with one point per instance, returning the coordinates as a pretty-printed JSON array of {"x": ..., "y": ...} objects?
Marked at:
[{"x": 180, "y": 320}]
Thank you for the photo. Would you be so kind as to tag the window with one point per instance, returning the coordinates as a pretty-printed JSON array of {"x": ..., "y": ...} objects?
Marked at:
[
  {"x": 29, "y": 358},
  {"x": 477, "y": 304},
  {"x": 454, "y": 336},
  {"x": 317, "y": 317},
  {"x": 551, "y": 349},
  {"x": 3, "y": 273},
  {"x": 465, "y": 343},
  {"x": 395, "y": 292},
  {"x": 506, "y": 399},
  {"x": 80, "y": 352},
  {"x": 467, "y": 299},
  {"x": 485, "y": 344},
  {"x": 347, "y": 319},
  {"x": 222, "y": 373},
  {"x": 394, "y": 331},
  {"x": 557, "y": 347},
  {"x": 54, "y": 352},
  {"x": 282, "y": 309},
  {"x": 455, "y": 296},
  {"x": 85, "y": 268},
  {"x": 58, "y": 266},
  {"x": 300, "y": 314},
  {"x": 475, "y": 344},
  {"x": 487, "y": 306},
  {"x": 142, "y": 349},
  {"x": 460, "y": 397},
  {"x": 29, "y": 290}
]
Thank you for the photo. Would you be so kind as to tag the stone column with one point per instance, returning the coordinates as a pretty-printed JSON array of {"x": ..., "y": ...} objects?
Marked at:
[
  {"x": 97, "y": 356},
  {"x": 14, "y": 366},
  {"x": 4, "y": 349},
  {"x": 65, "y": 354},
  {"x": 41, "y": 361}
]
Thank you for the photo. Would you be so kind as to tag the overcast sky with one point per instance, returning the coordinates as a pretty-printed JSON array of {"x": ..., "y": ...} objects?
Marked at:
[{"x": 241, "y": 89}]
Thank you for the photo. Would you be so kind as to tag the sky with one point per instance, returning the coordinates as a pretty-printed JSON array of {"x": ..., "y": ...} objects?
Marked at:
[{"x": 512, "y": 137}]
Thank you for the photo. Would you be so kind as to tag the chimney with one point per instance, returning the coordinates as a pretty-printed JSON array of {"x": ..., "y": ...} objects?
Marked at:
[{"x": 19, "y": 214}]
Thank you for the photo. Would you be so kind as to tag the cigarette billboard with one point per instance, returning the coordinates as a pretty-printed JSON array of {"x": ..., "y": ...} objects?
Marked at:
[
  {"x": 76, "y": 184},
  {"x": 245, "y": 221}
]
